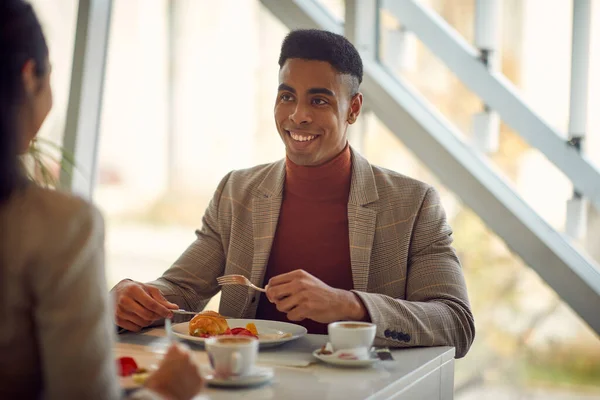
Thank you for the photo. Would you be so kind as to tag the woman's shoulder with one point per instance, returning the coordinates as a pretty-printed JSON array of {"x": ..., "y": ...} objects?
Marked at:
[
  {"x": 44, "y": 226},
  {"x": 56, "y": 207},
  {"x": 51, "y": 216}
]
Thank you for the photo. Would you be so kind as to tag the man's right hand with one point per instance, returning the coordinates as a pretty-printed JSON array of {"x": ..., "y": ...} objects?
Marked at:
[{"x": 138, "y": 305}]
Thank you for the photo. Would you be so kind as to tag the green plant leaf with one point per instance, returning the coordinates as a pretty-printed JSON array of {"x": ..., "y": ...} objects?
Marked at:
[{"x": 41, "y": 151}]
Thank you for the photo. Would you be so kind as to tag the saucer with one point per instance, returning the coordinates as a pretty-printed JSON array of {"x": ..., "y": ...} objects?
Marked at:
[
  {"x": 339, "y": 358},
  {"x": 258, "y": 376}
]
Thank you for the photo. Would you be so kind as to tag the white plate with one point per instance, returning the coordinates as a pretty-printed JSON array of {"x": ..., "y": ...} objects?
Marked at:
[
  {"x": 258, "y": 376},
  {"x": 264, "y": 328},
  {"x": 335, "y": 360}
]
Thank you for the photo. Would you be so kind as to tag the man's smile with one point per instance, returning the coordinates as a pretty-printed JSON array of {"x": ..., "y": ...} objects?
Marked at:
[{"x": 301, "y": 137}]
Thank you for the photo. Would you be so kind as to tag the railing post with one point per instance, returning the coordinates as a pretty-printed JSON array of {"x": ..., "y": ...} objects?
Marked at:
[
  {"x": 361, "y": 27},
  {"x": 576, "y": 225},
  {"x": 401, "y": 49},
  {"x": 486, "y": 124}
]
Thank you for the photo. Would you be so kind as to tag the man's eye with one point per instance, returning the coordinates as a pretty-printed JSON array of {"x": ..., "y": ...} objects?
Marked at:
[
  {"x": 286, "y": 97},
  {"x": 319, "y": 102}
]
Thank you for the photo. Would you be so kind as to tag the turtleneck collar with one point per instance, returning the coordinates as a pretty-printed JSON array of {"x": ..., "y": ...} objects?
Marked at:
[{"x": 329, "y": 181}]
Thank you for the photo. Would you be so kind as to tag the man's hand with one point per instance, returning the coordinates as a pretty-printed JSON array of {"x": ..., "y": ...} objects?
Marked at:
[
  {"x": 301, "y": 295},
  {"x": 139, "y": 305}
]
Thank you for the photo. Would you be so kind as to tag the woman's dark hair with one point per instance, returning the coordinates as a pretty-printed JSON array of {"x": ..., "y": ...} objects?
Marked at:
[{"x": 21, "y": 39}]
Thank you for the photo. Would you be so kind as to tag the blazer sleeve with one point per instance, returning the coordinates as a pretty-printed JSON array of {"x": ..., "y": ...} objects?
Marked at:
[
  {"x": 436, "y": 311},
  {"x": 191, "y": 281},
  {"x": 72, "y": 313}
]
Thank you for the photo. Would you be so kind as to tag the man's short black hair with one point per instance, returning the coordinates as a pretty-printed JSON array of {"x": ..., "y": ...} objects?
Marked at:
[{"x": 318, "y": 45}]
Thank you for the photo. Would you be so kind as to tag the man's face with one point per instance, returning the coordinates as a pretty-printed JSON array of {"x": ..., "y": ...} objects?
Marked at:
[{"x": 313, "y": 109}]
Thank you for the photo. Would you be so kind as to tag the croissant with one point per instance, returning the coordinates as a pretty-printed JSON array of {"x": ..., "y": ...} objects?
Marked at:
[{"x": 208, "y": 323}]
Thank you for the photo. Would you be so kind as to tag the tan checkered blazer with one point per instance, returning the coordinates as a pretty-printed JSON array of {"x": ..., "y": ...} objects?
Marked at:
[{"x": 403, "y": 265}]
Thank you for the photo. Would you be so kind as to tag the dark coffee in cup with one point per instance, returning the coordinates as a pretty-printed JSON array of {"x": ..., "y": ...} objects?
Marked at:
[{"x": 354, "y": 326}]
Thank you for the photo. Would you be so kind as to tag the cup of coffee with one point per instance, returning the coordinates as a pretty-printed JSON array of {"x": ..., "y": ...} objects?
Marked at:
[
  {"x": 352, "y": 335},
  {"x": 232, "y": 355}
]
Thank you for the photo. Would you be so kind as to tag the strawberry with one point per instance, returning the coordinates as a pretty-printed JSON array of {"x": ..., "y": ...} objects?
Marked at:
[{"x": 126, "y": 366}]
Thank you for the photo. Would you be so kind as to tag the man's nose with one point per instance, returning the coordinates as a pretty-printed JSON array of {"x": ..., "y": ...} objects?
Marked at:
[{"x": 301, "y": 115}]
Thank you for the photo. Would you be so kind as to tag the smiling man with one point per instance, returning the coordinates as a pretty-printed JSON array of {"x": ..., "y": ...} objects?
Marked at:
[{"x": 334, "y": 237}]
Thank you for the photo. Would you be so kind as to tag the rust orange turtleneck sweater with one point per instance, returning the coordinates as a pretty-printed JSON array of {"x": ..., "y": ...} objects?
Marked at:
[{"x": 312, "y": 231}]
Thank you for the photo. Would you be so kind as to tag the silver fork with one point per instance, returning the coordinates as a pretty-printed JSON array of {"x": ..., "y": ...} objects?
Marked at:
[
  {"x": 238, "y": 280},
  {"x": 183, "y": 312}
]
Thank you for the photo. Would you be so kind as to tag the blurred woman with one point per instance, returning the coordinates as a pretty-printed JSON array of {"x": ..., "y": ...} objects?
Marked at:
[{"x": 56, "y": 331}]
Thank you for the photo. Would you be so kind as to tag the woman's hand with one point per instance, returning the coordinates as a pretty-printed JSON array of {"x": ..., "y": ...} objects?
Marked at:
[{"x": 177, "y": 377}]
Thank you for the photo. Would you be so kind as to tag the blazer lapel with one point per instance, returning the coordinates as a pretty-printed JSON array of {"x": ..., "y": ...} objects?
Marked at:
[
  {"x": 361, "y": 220},
  {"x": 265, "y": 214}
]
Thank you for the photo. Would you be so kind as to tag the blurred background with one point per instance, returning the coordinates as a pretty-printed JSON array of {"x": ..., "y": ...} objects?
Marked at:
[{"x": 189, "y": 89}]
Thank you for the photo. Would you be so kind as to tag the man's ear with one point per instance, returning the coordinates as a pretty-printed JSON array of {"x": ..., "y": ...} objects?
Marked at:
[
  {"x": 355, "y": 107},
  {"x": 30, "y": 78}
]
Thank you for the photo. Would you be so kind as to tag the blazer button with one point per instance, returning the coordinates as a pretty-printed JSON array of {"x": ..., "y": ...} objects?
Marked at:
[
  {"x": 394, "y": 335},
  {"x": 387, "y": 333},
  {"x": 253, "y": 299}
]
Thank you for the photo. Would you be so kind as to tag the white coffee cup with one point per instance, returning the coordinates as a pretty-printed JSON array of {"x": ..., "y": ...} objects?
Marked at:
[
  {"x": 352, "y": 335},
  {"x": 232, "y": 355}
]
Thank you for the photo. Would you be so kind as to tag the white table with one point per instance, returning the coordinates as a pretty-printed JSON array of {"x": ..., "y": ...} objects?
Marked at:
[{"x": 417, "y": 373}]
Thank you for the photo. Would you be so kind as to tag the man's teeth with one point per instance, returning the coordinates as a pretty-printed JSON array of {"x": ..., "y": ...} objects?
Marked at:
[{"x": 302, "y": 138}]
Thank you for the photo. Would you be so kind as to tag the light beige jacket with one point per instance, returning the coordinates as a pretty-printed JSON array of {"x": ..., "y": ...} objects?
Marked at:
[
  {"x": 56, "y": 331},
  {"x": 403, "y": 265},
  {"x": 55, "y": 336}
]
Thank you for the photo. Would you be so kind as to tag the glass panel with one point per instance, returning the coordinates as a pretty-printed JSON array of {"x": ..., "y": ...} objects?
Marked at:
[
  {"x": 535, "y": 52},
  {"x": 541, "y": 184}
]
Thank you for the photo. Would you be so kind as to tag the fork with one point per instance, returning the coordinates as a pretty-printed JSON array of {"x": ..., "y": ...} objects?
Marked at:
[
  {"x": 238, "y": 280},
  {"x": 183, "y": 312}
]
